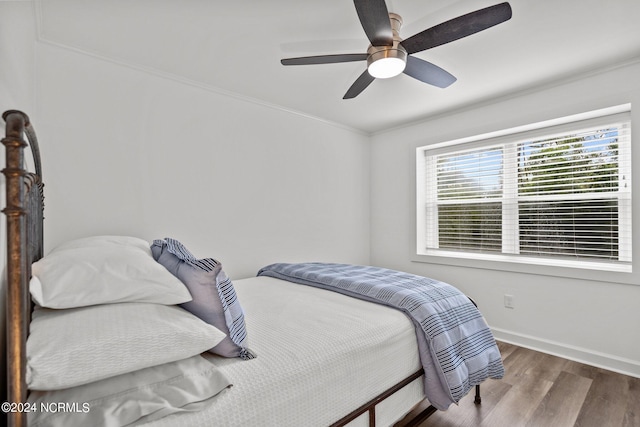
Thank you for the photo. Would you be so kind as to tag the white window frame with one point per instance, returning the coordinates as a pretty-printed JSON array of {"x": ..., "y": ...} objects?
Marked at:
[{"x": 426, "y": 213}]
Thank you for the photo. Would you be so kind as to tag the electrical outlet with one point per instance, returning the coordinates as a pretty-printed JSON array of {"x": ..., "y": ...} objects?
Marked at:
[{"x": 509, "y": 301}]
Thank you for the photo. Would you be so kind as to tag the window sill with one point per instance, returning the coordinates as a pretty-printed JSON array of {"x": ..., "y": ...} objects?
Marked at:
[{"x": 597, "y": 271}]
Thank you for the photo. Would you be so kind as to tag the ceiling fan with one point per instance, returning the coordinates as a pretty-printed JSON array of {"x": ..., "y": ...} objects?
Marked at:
[{"x": 389, "y": 55}]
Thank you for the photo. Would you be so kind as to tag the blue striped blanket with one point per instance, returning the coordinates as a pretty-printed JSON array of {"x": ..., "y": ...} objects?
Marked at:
[{"x": 457, "y": 349}]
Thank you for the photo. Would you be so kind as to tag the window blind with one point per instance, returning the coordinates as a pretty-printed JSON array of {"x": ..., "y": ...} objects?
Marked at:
[
  {"x": 469, "y": 189},
  {"x": 561, "y": 192}
]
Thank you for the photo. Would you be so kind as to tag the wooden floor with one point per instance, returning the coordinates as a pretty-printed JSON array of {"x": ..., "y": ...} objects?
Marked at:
[{"x": 540, "y": 390}]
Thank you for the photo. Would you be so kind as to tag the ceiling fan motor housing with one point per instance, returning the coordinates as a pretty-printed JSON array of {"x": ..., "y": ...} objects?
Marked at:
[{"x": 394, "y": 52}]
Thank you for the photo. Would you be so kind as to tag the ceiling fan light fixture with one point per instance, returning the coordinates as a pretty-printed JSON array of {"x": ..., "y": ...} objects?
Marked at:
[
  {"x": 384, "y": 63},
  {"x": 387, "y": 67}
]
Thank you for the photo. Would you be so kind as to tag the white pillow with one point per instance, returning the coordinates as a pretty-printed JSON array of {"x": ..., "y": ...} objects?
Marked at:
[
  {"x": 67, "y": 348},
  {"x": 103, "y": 269},
  {"x": 139, "y": 396}
]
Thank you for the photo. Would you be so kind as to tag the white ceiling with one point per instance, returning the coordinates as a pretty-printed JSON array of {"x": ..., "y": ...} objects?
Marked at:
[{"x": 234, "y": 47}]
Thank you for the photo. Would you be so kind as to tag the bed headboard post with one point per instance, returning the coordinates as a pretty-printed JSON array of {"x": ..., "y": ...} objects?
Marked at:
[{"x": 24, "y": 245}]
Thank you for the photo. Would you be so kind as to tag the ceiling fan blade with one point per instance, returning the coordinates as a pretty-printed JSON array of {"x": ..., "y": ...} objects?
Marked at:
[
  {"x": 324, "y": 59},
  {"x": 359, "y": 85},
  {"x": 457, "y": 28},
  {"x": 374, "y": 18},
  {"x": 428, "y": 73}
]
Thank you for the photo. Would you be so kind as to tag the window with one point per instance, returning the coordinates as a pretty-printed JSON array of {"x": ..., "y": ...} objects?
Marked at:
[{"x": 555, "y": 195}]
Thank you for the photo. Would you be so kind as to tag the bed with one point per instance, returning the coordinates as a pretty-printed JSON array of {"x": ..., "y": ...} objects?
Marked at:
[{"x": 299, "y": 344}]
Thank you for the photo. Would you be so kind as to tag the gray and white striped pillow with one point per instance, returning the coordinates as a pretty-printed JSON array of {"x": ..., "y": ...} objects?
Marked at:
[{"x": 214, "y": 298}]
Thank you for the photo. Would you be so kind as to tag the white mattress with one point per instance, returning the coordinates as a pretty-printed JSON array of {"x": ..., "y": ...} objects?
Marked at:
[{"x": 320, "y": 356}]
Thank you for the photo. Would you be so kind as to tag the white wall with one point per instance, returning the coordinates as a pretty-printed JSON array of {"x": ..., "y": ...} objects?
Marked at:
[
  {"x": 588, "y": 320},
  {"x": 130, "y": 152}
]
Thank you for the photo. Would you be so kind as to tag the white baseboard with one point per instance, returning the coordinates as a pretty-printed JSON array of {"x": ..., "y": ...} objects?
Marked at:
[{"x": 589, "y": 357}]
